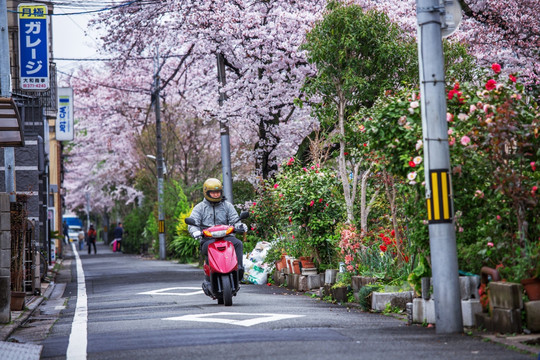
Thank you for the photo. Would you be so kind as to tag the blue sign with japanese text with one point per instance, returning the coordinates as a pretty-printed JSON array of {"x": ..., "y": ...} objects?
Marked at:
[{"x": 33, "y": 46}]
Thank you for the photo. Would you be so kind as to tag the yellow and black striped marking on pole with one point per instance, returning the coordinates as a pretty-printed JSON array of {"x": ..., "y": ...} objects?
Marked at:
[
  {"x": 440, "y": 204},
  {"x": 161, "y": 226}
]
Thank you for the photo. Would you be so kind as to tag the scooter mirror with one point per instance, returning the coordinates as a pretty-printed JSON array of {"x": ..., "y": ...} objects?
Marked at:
[
  {"x": 244, "y": 215},
  {"x": 190, "y": 221}
]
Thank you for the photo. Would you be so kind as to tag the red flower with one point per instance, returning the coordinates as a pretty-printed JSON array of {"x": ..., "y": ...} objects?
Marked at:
[
  {"x": 365, "y": 144},
  {"x": 320, "y": 200},
  {"x": 275, "y": 186},
  {"x": 383, "y": 248},
  {"x": 405, "y": 258},
  {"x": 254, "y": 203},
  {"x": 533, "y": 166},
  {"x": 512, "y": 78},
  {"x": 496, "y": 68},
  {"x": 412, "y": 164},
  {"x": 311, "y": 203},
  {"x": 345, "y": 153},
  {"x": 491, "y": 84},
  {"x": 393, "y": 232},
  {"x": 381, "y": 235}
]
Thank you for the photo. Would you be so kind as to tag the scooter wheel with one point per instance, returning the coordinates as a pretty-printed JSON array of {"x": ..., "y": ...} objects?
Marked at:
[
  {"x": 220, "y": 301},
  {"x": 227, "y": 290}
]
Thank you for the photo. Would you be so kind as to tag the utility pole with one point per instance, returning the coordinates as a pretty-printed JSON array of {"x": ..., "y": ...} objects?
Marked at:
[
  {"x": 9, "y": 152},
  {"x": 442, "y": 236},
  {"x": 159, "y": 160},
  {"x": 224, "y": 133}
]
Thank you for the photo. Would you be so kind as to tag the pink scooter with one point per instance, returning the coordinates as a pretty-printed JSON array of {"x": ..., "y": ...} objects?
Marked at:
[{"x": 222, "y": 265}]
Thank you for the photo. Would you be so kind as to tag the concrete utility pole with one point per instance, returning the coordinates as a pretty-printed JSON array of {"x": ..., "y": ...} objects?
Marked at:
[
  {"x": 442, "y": 236},
  {"x": 224, "y": 132},
  {"x": 9, "y": 152},
  {"x": 159, "y": 161}
]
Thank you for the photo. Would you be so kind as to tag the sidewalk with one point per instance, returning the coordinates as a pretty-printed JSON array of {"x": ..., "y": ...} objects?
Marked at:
[{"x": 17, "y": 351}]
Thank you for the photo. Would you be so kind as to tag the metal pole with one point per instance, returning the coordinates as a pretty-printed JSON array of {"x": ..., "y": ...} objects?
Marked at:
[
  {"x": 442, "y": 237},
  {"x": 159, "y": 160},
  {"x": 9, "y": 152},
  {"x": 224, "y": 132}
]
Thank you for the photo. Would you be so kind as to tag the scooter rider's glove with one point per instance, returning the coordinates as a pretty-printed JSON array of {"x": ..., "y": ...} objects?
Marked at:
[
  {"x": 240, "y": 228},
  {"x": 197, "y": 235}
]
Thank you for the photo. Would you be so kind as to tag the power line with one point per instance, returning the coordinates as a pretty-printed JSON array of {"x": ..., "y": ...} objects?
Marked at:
[
  {"x": 98, "y": 10},
  {"x": 134, "y": 90},
  {"x": 117, "y": 59}
]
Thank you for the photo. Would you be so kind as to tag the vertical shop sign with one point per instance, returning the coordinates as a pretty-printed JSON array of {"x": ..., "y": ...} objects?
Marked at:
[
  {"x": 33, "y": 46},
  {"x": 64, "y": 119}
]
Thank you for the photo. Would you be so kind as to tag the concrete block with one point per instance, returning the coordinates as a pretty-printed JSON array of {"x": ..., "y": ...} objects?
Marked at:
[
  {"x": 395, "y": 299},
  {"x": 303, "y": 283},
  {"x": 4, "y": 202},
  {"x": 465, "y": 287},
  {"x": 292, "y": 282},
  {"x": 5, "y": 240},
  {"x": 484, "y": 321},
  {"x": 532, "y": 311},
  {"x": 469, "y": 309},
  {"x": 505, "y": 295},
  {"x": 423, "y": 311},
  {"x": 5, "y": 300},
  {"x": 506, "y": 321},
  {"x": 365, "y": 280},
  {"x": 313, "y": 281},
  {"x": 5, "y": 258},
  {"x": 474, "y": 286},
  {"x": 356, "y": 283},
  {"x": 330, "y": 276},
  {"x": 5, "y": 222}
]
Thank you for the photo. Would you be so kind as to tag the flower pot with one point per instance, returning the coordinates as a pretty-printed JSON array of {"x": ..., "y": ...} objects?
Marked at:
[
  {"x": 532, "y": 288},
  {"x": 17, "y": 300}
]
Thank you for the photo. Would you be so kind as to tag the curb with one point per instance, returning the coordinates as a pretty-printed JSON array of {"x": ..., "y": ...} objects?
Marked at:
[{"x": 8, "y": 329}]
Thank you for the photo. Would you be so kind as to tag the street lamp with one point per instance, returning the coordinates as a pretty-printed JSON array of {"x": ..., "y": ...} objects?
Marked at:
[{"x": 164, "y": 164}]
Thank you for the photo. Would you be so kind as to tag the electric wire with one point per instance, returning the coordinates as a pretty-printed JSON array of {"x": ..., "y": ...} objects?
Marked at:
[{"x": 141, "y": 2}]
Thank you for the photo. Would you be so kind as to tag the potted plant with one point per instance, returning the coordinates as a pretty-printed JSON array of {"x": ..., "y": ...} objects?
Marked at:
[{"x": 524, "y": 267}]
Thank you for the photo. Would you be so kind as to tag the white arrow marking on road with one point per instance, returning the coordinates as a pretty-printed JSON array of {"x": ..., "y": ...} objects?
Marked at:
[
  {"x": 261, "y": 318},
  {"x": 169, "y": 291}
]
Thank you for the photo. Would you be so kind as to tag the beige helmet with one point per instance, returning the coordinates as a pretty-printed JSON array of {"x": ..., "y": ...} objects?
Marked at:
[{"x": 212, "y": 185}]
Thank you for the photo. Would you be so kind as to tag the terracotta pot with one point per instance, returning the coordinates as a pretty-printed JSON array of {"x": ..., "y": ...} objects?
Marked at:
[
  {"x": 296, "y": 267},
  {"x": 532, "y": 288},
  {"x": 17, "y": 300}
]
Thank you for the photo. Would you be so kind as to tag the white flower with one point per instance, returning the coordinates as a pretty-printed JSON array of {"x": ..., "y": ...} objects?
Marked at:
[
  {"x": 417, "y": 160},
  {"x": 419, "y": 145},
  {"x": 462, "y": 116},
  {"x": 414, "y": 104},
  {"x": 411, "y": 176}
]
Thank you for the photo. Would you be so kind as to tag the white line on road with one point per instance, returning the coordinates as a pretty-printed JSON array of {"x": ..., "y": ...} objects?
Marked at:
[
  {"x": 169, "y": 291},
  {"x": 77, "y": 339},
  {"x": 225, "y": 318}
]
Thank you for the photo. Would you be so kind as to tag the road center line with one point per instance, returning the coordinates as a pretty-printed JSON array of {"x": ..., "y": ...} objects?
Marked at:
[{"x": 78, "y": 338}]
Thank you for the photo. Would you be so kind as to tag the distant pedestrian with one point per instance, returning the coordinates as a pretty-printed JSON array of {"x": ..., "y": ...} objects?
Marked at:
[
  {"x": 117, "y": 236},
  {"x": 65, "y": 229},
  {"x": 81, "y": 237},
  {"x": 92, "y": 235}
]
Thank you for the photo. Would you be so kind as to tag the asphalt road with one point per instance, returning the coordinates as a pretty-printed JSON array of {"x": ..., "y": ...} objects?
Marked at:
[{"x": 138, "y": 308}]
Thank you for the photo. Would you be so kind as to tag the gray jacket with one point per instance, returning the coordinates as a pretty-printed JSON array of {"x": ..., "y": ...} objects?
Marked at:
[{"x": 207, "y": 214}]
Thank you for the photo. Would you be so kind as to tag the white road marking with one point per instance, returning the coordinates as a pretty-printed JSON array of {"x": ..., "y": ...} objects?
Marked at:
[
  {"x": 78, "y": 338},
  {"x": 223, "y": 319},
  {"x": 169, "y": 291}
]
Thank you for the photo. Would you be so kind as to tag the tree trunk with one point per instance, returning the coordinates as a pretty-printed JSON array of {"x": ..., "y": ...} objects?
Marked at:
[
  {"x": 341, "y": 160},
  {"x": 391, "y": 195}
]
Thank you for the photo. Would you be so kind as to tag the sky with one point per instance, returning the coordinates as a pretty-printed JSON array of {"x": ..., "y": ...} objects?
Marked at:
[{"x": 72, "y": 40}]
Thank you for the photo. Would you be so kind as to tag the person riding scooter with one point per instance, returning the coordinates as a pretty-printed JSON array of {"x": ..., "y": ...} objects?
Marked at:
[{"x": 215, "y": 210}]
